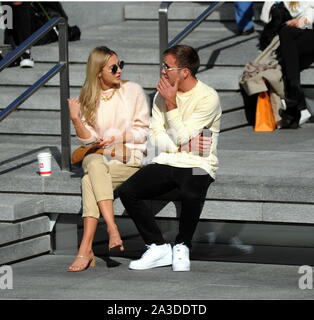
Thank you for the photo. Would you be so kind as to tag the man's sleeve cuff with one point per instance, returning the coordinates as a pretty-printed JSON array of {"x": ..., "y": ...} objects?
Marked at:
[{"x": 172, "y": 114}]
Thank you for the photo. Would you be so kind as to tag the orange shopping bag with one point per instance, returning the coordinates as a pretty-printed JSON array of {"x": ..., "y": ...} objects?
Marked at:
[{"x": 265, "y": 120}]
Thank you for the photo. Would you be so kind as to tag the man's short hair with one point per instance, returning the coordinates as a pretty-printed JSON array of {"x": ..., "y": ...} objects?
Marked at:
[{"x": 186, "y": 57}]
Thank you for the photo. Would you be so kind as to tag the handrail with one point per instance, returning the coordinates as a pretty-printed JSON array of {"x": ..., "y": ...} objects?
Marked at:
[
  {"x": 62, "y": 67},
  {"x": 163, "y": 26}
]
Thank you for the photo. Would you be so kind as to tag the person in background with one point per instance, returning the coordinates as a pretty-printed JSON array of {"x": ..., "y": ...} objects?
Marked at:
[
  {"x": 296, "y": 54},
  {"x": 244, "y": 15},
  {"x": 109, "y": 111},
  {"x": 22, "y": 29}
]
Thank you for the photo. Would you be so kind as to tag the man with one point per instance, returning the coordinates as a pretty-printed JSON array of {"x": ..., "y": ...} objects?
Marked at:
[{"x": 183, "y": 106}]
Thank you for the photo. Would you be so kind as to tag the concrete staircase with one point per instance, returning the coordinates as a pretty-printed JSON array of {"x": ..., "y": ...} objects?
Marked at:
[
  {"x": 264, "y": 178},
  {"x": 24, "y": 229}
]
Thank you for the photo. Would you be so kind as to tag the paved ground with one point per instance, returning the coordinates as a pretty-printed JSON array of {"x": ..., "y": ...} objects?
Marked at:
[{"x": 45, "y": 277}]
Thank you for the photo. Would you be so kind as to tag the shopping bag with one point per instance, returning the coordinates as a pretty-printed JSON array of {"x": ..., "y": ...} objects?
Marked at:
[{"x": 265, "y": 120}]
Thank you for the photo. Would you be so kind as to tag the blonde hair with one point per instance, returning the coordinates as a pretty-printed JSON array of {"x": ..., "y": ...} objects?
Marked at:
[
  {"x": 293, "y": 5},
  {"x": 90, "y": 93}
]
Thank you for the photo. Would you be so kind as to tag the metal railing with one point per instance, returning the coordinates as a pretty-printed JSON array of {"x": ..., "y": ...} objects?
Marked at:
[
  {"x": 62, "y": 67},
  {"x": 163, "y": 26}
]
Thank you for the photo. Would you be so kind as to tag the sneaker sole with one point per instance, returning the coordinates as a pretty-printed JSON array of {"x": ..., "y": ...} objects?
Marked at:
[
  {"x": 168, "y": 262},
  {"x": 180, "y": 268},
  {"x": 27, "y": 64}
]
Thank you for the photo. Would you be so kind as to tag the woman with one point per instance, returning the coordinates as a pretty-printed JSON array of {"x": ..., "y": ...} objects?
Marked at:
[
  {"x": 109, "y": 111},
  {"x": 296, "y": 54}
]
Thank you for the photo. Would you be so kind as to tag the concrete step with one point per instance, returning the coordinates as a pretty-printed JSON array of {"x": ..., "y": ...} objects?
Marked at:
[
  {"x": 182, "y": 11},
  {"x": 48, "y": 123},
  {"x": 47, "y": 98},
  {"x": 12, "y": 232},
  {"x": 232, "y": 210},
  {"x": 138, "y": 42},
  {"x": 39, "y": 122},
  {"x": 25, "y": 249},
  {"x": 223, "y": 47},
  {"x": 243, "y": 176},
  {"x": 16, "y": 207},
  {"x": 221, "y": 78},
  {"x": 51, "y": 97}
]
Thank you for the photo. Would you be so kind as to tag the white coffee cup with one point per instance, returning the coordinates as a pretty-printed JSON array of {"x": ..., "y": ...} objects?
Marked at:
[{"x": 44, "y": 163}]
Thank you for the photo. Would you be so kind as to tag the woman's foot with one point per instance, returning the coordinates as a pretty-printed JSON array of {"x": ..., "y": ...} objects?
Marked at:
[
  {"x": 115, "y": 241},
  {"x": 83, "y": 262}
]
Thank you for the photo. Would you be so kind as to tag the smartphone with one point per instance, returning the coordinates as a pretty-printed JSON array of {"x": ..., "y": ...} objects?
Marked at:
[
  {"x": 91, "y": 143},
  {"x": 206, "y": 133}
]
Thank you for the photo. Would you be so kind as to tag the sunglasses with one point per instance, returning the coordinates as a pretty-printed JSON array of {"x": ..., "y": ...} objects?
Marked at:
[
  {"x": 115, "y": 67},
  {"x": 166, "y": 67}
]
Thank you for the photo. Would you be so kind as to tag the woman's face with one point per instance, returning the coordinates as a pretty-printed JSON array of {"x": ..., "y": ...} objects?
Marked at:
[{"x": 109, "y": 79}]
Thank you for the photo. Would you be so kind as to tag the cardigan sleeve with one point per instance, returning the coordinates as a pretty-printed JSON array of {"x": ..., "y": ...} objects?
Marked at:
[{"x": 140, "y": 118}]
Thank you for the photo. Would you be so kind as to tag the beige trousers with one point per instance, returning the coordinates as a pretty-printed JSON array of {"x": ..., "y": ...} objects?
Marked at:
[{"x": 100, "y": 180}]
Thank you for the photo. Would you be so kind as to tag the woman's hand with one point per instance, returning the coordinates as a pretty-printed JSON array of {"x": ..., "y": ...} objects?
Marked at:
[
  {"x": 106, "y": 142},
  {"x": 74, "y": 108},
  {"x": 297, "y": 22}
]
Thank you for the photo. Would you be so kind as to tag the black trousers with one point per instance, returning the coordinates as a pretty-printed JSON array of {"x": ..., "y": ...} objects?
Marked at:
[
  {"x": 22, "y": 24},
  {"x": 296, "y": 50},
  {"x": 155, "y": 180}
]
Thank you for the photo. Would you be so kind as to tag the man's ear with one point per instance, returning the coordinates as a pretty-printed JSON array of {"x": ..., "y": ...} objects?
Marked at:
[{"x": 186, "y": 73}]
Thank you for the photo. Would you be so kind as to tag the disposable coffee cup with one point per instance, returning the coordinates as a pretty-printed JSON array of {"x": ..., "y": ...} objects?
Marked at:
[{"x": 44, "y": 163}]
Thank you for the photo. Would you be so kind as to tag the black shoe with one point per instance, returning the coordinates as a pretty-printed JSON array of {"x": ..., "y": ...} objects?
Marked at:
[
  {"x": 246, "y": 32},
  {"x": 290, "y": 118},
  {"x": 27, "y": 60},
  {"x": 295, "y": 95}
]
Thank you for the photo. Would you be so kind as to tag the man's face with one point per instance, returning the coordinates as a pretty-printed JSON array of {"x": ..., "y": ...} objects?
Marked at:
[{"x": 171, "y": 75}]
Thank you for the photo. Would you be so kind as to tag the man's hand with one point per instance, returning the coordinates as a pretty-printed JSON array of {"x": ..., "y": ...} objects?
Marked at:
[
  {"x": 297, "y": 22},
  {"x": 197, "y": 144},
  {"x": 168, "y": 92}
]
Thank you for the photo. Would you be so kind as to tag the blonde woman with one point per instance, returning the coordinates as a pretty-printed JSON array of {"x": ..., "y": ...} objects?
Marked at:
[
  {"x": 300, "y": 11},
  {"x": 109, "y": 111}
]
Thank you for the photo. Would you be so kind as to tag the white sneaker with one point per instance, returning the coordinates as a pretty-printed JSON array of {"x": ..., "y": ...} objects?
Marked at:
[
  {"x": 155, "y": 256},
  {"x": 305, "y": 115},
  {"x": 27, "y": 60},
  {"x": 180, "y": 258}
]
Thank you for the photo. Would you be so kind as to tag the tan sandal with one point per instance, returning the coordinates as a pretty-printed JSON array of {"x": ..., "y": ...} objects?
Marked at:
[
  {"x": 116, "y": 245},
  {"x": 91, "y": 263}
]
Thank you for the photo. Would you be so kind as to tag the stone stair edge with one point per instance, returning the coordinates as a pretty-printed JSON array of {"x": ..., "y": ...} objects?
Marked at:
[
  {"x": 184, "y": 10},
  {"x": 16, "y": 207},
  {"x": 227, "y": 187},
  {"x": 213, "y": 210},
  {"x": 13, "y": 232},
  {"x": 25, "y": 249}
]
